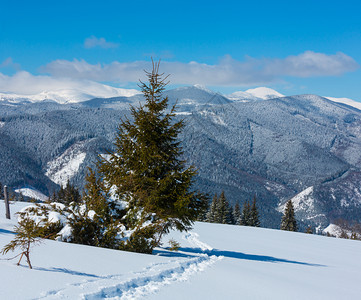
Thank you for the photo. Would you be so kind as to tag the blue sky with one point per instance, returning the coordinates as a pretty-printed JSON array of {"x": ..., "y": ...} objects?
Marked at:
[{"x": 294, "y": 47}]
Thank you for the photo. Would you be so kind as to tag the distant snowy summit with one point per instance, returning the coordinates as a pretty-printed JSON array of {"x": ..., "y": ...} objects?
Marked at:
[
  {"x": 187, "y": 94},
  {"x": 260, "y": 93},
  {"x": 264, "y": 93},
  {"x": 64, "y": 96}
]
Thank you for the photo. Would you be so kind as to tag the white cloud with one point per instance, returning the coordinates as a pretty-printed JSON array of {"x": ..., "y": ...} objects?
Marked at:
[
  {"x": 80, "y": 69},
  {"x": 309, "y": 64},
  {"x": 9, "y": 63},
  {"x": 24, "y": 83},
  {"x": 228, "y": 72},
  {"x": 92, "y": 42},
  {"x": 82, "y": 76}
]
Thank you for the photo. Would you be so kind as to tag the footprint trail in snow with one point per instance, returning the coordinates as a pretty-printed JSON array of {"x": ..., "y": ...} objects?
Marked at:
[
  {"x": 193, "y": 239},
  {"x": 139, "y": 284}
]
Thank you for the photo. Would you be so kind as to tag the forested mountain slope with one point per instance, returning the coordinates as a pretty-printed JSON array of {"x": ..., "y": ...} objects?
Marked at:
[{"x": 274, "y": 149}]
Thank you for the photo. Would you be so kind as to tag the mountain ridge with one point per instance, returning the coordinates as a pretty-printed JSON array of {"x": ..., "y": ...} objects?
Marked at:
[
  {"x": 238, "y": 147},
  {"x": 76, "y": 96}
]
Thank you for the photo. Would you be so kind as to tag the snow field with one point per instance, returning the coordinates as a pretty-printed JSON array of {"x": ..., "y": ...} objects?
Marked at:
[
  {"x": 263, "y": 263},
  {"x": 70, "y": 271},
  {"x": 215, "y": 261}
]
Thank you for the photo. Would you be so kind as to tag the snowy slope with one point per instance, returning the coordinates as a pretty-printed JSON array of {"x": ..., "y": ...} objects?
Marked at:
[
  {"x": 264, "y": 93},
  {"x": 64, "y": 167},
  {"x": 31, "y": 192},
  {"x": 347, "y": 101},
  {"x": 306, "y": 210},
  {"x": 215, "y": 262}
]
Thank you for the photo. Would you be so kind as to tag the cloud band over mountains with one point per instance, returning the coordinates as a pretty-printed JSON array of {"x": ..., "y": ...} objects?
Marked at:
[{"x": 228, "y": 72}]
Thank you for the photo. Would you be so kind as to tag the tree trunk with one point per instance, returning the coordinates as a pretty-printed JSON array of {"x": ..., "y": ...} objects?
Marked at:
[
  {"x": 28, "y": 259},
  {"x": 7, "y": 207},
  {"x": 27, "y": 254},
  {"x": 21, "y": 256}
]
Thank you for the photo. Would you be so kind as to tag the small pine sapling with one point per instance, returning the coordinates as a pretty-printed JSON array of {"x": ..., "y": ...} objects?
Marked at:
[
  {"x": 28, "y": 235},
  {"x": 174, "y": 245}
]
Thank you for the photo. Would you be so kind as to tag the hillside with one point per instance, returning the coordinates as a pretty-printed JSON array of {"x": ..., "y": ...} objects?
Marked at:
[
  {"x": 276, "y": 149},
  {"x": 215, "y": 262}
]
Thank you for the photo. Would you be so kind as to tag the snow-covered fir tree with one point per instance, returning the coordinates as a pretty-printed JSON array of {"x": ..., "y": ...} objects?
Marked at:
[
  {"x": 212, "y": 210},
  {"x": 67, "y": 194},
  {"x": 223, "y": 212},
  {"x": 254, "y": 215},
  {"x": 220, "y": 211},
  {"x": 246, "y": 214},
  {"x": 146, "y": 171},
  {"x": 288, "y": 221},
  {"x": 95, "y": 221},
  {"x": 237, "y": 214}
]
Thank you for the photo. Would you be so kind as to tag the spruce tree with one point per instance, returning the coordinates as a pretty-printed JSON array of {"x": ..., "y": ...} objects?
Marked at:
[
  {"x": 223, "y": 212},
  {"x": 288, "y": 221},
  {"x": 68, "y": 194},
  {"x": 246, "y": 214},
  {"x": 146, "y": 171},
  {"x": 237, "y": 214},
  {"x": 211, "y": 215},
  {"x": 203, "y": 215},
  {"x": 93, "y": 220},
  {"x": 254, "y": 215}
]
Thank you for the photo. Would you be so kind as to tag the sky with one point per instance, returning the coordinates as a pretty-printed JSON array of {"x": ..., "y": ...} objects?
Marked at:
[{"x": 294, "y": 47}]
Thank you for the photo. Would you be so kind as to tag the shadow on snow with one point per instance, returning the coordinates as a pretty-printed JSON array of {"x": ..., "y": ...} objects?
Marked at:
[
  {"x": 187, "y": 252},
  {"x": 6, "y": 231},
  {"x": 67, "y": 271}
]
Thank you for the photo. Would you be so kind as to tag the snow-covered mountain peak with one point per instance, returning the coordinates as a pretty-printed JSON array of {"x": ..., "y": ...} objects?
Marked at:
[
  {"x": 63, "y": 96},
  {"x": 257, "y": 94},
  {"x": 264, "y": 93},
  {"x": 195, "y": 87},
  {"x": 203, "y": 87}
]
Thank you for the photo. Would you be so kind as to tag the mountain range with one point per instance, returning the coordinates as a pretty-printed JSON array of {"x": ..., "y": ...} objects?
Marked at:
[{"x": 253, "y": 143}]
